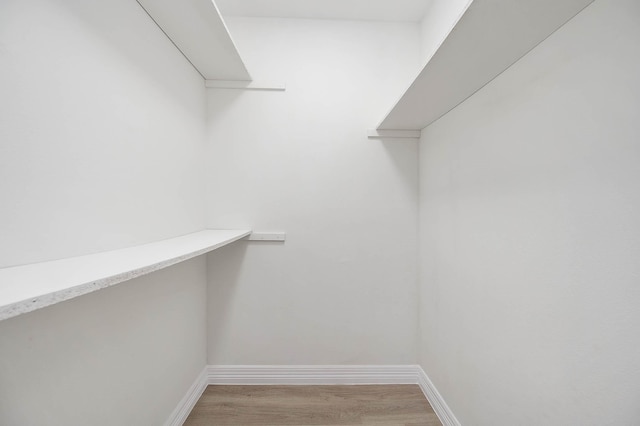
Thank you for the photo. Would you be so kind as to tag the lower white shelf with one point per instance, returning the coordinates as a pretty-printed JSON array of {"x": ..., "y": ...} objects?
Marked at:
[{"x": 27, "y": 288}]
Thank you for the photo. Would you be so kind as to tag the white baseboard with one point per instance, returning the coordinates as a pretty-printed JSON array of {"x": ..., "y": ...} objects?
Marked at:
[
  {"x": 180, "y": 414},
  {"x": 444, "y": 413},
  {"x": 312, "y": 375}
]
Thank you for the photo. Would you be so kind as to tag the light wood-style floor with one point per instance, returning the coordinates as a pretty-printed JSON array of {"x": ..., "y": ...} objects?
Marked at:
[{"x": 374, "y": 405}]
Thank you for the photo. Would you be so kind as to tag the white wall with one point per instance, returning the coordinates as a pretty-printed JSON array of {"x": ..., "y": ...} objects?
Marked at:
[
  {"x": 101, "y": 135},
  {"x": 529, "y": 207},
  {"x": 102, "y": 125},
  {"x": 125, "y": 355},
  {"x": 342, "y": 289}
]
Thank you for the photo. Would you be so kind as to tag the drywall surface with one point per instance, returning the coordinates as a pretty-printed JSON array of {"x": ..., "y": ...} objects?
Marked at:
[
  {"x": 123, "y": 356},
  {"x": 342, "y": 288},
  {"x": 438, "y": 21},
  {"x": 101, "y": 135},
  {"x": 101, "y": 130},
  {"x": 529, "y": 235}
]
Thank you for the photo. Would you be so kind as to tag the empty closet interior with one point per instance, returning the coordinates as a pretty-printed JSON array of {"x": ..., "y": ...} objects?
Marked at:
[{"x": 438, "y": 192}]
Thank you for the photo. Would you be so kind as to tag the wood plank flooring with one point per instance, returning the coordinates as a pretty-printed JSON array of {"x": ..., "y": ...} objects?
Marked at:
[{"x": 373, "y": 405}]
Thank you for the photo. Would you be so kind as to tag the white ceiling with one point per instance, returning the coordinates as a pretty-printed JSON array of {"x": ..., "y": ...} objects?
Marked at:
[{"x": 368, "y": 10}]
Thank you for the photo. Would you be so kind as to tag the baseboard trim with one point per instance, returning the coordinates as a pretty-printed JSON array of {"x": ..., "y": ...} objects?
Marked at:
[
  {"x": 444, "y": 413},
  {"x": 311, "y": 374},
  {"x": 180, "y": 414}
]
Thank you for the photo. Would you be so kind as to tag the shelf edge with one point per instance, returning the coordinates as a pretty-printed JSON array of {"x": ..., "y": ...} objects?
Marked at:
[{"x": 43, "y": 300}]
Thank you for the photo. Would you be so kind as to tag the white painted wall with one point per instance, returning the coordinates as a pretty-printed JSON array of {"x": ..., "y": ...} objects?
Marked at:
[
  {"x": 529, "y": 207},
  {"x": 439, "y": 19},
  {"x": 101, "y": 136},
  {"x": 125, "y": 355},
  {"x": 342, "y": 289},
  {"x": 101, "y": 123}
]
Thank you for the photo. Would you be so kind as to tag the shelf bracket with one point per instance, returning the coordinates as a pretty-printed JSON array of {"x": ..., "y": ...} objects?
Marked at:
[
  {"x": 393, "y": 134},
  {"x": 267, "y": 236},
  {"x": 245, "y": 85}
]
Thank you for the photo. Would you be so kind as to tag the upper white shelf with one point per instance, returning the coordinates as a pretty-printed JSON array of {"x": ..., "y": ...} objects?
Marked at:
[
  {"x": 489, "y": 37},
  {"x": 198, "y": 30},
  {"x": 27, "y": 288}
]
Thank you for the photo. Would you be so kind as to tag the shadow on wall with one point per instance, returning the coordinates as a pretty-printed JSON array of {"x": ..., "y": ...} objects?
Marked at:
[
  {"x": 125, "y": 29},
  {"x": 403, "y": 154},
  {"x": 224, "y": 267},
  {"x": 219, "y": 102}
]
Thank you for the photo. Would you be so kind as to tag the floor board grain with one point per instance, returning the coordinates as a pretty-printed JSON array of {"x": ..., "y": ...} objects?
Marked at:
[{"x": 369, "y": 405}]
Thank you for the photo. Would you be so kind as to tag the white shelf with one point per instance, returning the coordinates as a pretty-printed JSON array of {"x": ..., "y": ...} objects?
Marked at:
[
  {"x": 198, "y": 30},
  {"x": 27, "y": 288},
  {"x": 489, "y": 37}
]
